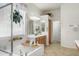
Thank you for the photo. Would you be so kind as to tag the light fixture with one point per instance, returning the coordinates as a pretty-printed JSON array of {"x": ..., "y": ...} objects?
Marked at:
[
  {"x": 34, "y": 18},
  {"x": 43, "y": 21}
]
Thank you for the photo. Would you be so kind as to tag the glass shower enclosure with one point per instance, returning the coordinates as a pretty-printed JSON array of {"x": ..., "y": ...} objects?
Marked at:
[
  {"x": 11, "y": 33},
  {"x": 6, "y": 29}
]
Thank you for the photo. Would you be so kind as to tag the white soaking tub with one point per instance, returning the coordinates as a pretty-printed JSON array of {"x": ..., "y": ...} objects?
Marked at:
[{"x": 29, "y": 51}]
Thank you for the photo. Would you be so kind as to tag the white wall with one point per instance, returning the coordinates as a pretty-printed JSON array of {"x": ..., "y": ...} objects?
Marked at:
[
  {"x": 69, "y": 16},
  {"x": 56, "y": 28},
  {"x": 56, "y": 14},
  {"x": 33, "y": 10}
]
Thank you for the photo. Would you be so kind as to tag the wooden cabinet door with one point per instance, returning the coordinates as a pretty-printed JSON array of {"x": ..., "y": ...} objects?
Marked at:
[{"x": 41, "y": 39}]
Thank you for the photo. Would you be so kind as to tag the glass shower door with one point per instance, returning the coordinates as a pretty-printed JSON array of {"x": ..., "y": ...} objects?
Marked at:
[
  {"x": 11, "y": 34},
  {"x": 5, "y": 29}
]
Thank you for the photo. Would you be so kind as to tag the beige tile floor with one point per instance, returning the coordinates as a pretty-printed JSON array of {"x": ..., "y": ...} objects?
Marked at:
[{"x": 55, "y": 49}]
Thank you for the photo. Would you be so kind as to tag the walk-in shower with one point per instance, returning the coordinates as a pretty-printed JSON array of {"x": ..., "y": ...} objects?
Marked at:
[
  {"x": 10, "y": 32},
  {"x": 6, "y": 29}
]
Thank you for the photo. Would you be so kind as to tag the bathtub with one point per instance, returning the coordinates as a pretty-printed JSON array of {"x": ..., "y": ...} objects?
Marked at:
[{"x": 29, "y": 51}]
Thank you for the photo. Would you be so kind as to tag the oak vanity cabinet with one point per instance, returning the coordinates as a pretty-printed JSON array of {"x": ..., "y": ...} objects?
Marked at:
[{"x": 41, "y": 40}]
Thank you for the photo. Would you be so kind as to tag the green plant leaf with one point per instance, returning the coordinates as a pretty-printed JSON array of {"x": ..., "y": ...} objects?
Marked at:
[{"x": 17, "y": 17}]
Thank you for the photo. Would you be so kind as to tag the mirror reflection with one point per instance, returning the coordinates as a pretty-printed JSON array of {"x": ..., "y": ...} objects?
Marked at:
[{"x": 37, "y": 27}]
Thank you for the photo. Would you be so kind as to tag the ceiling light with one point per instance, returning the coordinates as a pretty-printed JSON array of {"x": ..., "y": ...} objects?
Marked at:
[
  {"x": 43, "y": 21},
  {"x": 34, "y": 18}
]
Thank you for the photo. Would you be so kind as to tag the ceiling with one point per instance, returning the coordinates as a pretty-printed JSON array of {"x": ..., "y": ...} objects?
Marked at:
[
  {"x": 47, "y": 6},
  {"x": 43, "y": 6}
]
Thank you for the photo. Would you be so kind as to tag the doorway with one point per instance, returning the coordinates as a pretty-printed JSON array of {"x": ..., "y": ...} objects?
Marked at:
[{"x": 56, "y": 31}]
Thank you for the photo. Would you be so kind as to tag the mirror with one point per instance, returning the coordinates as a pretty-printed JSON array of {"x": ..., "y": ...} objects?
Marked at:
[
  {"x": 42, "y": 26},
  {"x": 37, "y": 27}
]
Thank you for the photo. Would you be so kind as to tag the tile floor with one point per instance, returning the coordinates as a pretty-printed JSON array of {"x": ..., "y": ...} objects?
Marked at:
[{"x": 55, "y": 49}]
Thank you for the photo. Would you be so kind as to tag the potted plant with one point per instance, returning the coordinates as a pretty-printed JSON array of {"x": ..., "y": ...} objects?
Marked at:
[{"x": 17, "y": 17}]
